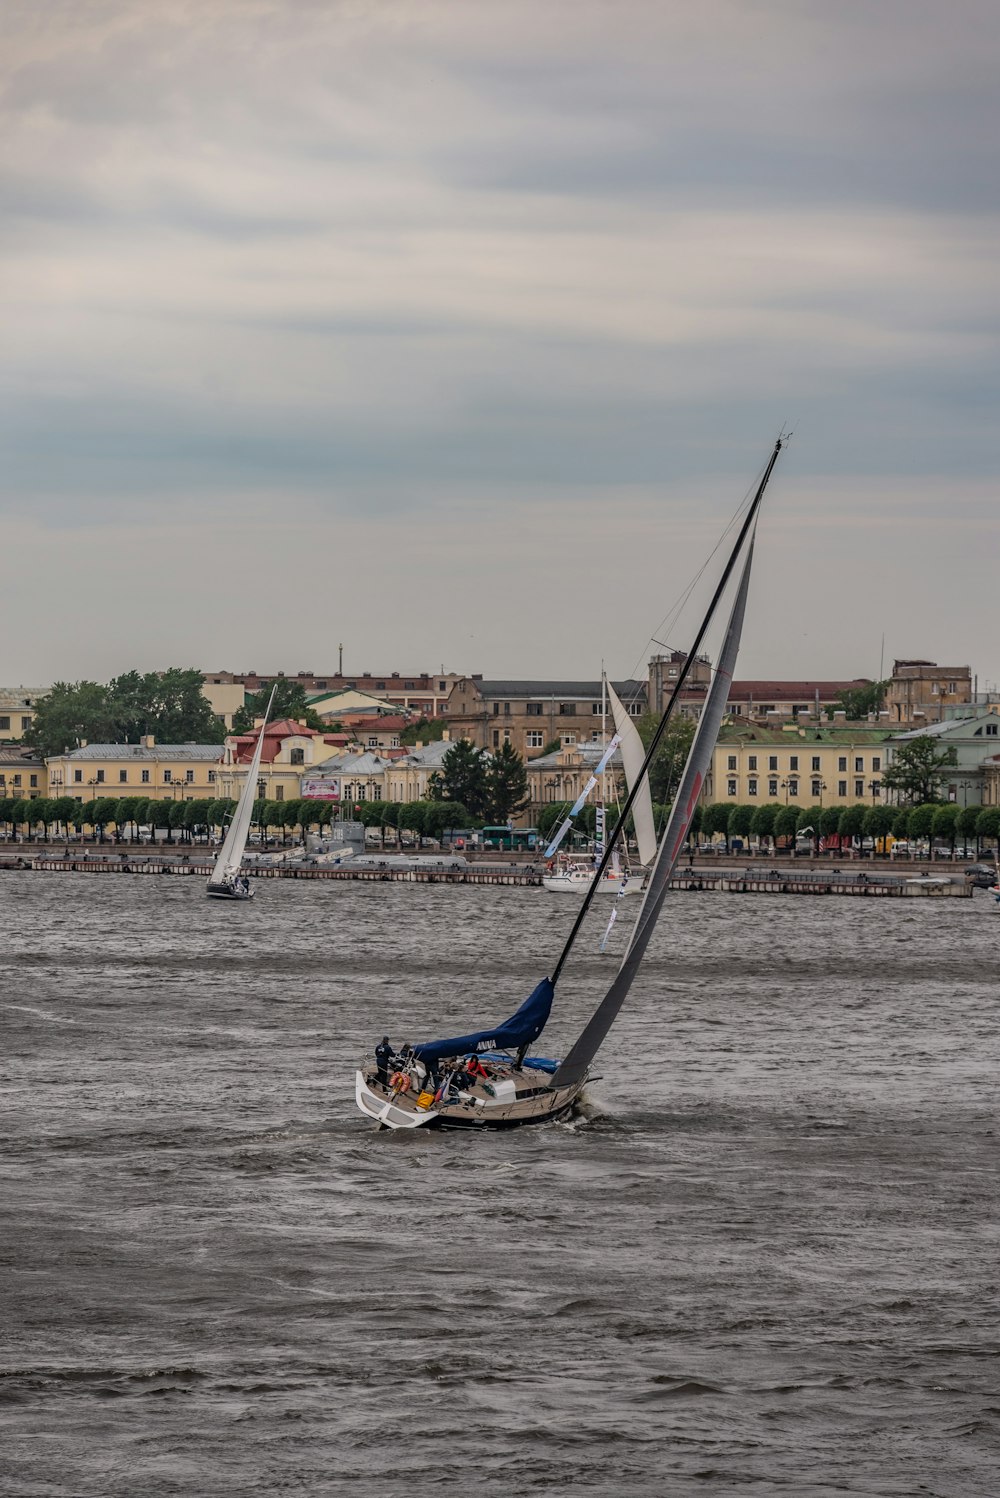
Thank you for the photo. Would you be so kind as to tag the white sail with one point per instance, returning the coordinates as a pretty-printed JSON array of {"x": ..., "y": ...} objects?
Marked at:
[
  {"x": 633, "y": 755},
  {"x": 576, "y": 1063},
  {"x": 227, "y": 865}
]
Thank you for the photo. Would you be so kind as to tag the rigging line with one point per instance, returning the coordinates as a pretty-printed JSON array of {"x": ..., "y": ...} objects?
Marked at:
[
  {"x": 673, "y": 614},
  {"x": 667, "y": 712}
]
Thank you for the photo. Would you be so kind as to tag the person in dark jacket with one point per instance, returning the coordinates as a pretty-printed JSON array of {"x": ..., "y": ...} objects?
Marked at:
[{"x": 383, "y": 1058}]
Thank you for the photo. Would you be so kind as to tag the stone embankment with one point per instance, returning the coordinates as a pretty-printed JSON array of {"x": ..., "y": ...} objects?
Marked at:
[{"x": 799, "y": 878}]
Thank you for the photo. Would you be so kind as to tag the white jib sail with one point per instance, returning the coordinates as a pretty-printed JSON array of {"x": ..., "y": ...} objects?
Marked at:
[
  {"x": 633, "y": 755},
  {"x": 227, "y": 865}
]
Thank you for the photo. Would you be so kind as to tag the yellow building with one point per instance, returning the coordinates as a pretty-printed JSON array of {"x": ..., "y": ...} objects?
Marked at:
[
  {"x": 163, "y": 772},
  {"x": 833, "y": 764},
  {"x": 17, "y": 709},
  {"x": 23, "y": 776}
]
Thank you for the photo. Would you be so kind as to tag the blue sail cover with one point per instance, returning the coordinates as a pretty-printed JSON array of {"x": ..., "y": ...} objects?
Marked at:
[{"x": 521, "y": 1029}]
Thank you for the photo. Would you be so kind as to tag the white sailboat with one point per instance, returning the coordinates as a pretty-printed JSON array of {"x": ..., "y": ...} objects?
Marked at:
[
  {"x": 486, "y": 1079},
  {"x": 227, "y": 882},
  {"x": 575, "y": 877}
]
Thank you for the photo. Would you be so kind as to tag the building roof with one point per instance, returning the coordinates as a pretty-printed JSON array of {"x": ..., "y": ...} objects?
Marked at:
[
  {"x": 803, "y": 734},
  {"x": 202, "y": 753},
  {"x": 566, "y": 689},
  {"x": 794, "y": 691},
  {"x": 949, "y": 727},
  {"x": 20, "y": 758},
  {"x": 587, "y": 755},
  {"x": 368, "y": 763}
]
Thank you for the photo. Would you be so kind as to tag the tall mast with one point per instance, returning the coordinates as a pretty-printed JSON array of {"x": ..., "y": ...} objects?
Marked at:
[{"x": 661, "y": 727}]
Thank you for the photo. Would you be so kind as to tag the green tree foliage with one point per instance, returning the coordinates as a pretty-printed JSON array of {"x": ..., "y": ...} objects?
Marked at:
[
  {"x": 424, "y": 731},
  {"x": 900, "y": 821},
  {"x": 169, "y": 704},
  {"x": 967, "y": 819},
  {"x": 506, "y": 785},
  {"x": 289, "y": 702},
  {"x": 917, "y": 770},
  {"x": 715, "y": 818},
  {"x": 411, "y": 817},
  {"x": 550, "y": 816},
  {"x": 988, "y": 823},
  {"x": 879, "y": 821},
  {"x": 858, "y": 702},
  {"x": 444, "y": 816},
  {"x": 945, "y": 824},
  {"x": 852, "y": 820},
  {"x": 667, "y": 768},
  {"x": 20, "y": 813},
  {"x": 6, "y": 810},
  {"x": 762, "y": 822},
  {"x": 785, "y": 821},
  {"x": 809, "y": 823},
  {"x": 920, "y": 822},
  {"x": 463, "y": 778},
  {"x": 829, "y": 821},
  {"x": 740, "y": 823}
]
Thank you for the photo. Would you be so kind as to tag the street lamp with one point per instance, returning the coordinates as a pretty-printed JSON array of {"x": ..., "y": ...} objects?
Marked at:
[{"x": 875, "y": 787}]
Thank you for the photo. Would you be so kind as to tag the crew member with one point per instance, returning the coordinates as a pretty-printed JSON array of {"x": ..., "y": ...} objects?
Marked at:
[{"x": 383, "y": 1058}]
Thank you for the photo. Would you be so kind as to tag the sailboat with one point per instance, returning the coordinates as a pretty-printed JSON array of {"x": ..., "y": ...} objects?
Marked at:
[
  {"x": 226, "y": 881},
  {"x": 486, "y": 1079},
  {"x": 576, "y": 878}
]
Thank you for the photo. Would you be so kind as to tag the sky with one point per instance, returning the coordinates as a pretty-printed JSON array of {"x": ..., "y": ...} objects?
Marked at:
[{"x": 455, "y": 332}]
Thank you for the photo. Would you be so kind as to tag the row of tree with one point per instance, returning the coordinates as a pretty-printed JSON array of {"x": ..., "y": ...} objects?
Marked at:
[
  {"x": 772, "y": 821},
  {"x": 491, "y": 788}
]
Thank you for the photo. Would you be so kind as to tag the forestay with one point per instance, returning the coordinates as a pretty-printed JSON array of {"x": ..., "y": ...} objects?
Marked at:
[{"x": 227, "y": 865}]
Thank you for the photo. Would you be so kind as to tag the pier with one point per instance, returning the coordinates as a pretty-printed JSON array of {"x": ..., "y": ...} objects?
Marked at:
[{"x": 813, "y": 881}]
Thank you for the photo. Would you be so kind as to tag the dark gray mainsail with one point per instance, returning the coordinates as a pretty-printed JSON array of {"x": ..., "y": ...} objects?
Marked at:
[{"x": 574, "y": 1067}]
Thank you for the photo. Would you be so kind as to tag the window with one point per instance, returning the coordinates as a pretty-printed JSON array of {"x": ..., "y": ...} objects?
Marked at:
[
  {"x": 816, "y": 764},
  {"x": 496, "y": 738},
  {"x": 442, "y": 686},
  {"x": 25, "y": 724},
  {"x": 772, "y": 787},
  {"x": 842, "y": 763},
  {"x": 859, "y": 787},
  {"x": 567, "y": 709},
  {"x": 635, "y": 709},
  {"x": 17, "y": 780},
  {"x": 877, "y": 762},
  {"x": 595, "y": 707},
  {"x": 752, "y": 762},
  {"x": 298, "y": 756},
  {"x": 167, "y": 777},
  {"x": 793, "y": 763},
  {"x": 876, "y": 790},
  {"x": 189, "y": 777},
  {"x": 100, "y": 777},
  {"x": 859, "y": 765},
  {"x": 506, "y": 709},
  {"x": 772, "y": 762},
  {"x": 793, "y": 787},
  {"x": 122, "y": 777},
  {"x": 496, "y": 709},
  {"x": 752, "y": 787},
  {"x": 951, "y": 686},
  {"x": 841, "y": 787},
  {"x": 32, "y": 779},
  {"x": 534, "y": 738},
  {"x": 380, "y": 686},
  {"x": 394, "y": 741},
  {"x": 569, "y": 738},
  {"x": 279, "y": 793},
  {"x": 506, "y": 735},
  {"x": 4, "y": 722},
  {"x": 732, "y": 762},
  {"x": 211, "y": 777},
  {"x": 77, "y": 776},
  {"x": 816, "y": 787},
  {"x": 533, "y": 709},
  {"x": 731, "y": 787},
  {"x": 145, "y": 777},
  {"x": 991, "y": 730},
  {"x": 373, "y": 741}
]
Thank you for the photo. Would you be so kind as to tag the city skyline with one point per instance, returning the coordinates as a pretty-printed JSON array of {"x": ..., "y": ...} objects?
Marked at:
[{"x": 460, "y": 332}]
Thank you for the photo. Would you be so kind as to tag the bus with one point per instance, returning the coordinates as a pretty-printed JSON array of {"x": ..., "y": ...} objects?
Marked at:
[{"x": 509, "y": 838}]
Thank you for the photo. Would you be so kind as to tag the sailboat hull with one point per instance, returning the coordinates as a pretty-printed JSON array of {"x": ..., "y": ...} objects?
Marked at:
[
  {"x": 578, "y": 881},
  {"x": 226, "y": 892},
  {"x": 472, "y": 1110}
]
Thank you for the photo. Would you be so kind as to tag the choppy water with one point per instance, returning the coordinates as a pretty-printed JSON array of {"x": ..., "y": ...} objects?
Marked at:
[{"x": 768, "y": 1261}]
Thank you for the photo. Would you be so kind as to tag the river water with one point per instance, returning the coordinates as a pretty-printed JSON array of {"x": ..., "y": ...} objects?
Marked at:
[{"x": 766, "y": 1259}]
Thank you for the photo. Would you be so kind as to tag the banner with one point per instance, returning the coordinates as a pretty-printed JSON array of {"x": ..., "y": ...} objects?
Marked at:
[{"x": 322, "y": 788}]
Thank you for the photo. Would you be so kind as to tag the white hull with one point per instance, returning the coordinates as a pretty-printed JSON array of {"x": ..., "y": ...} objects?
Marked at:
[
  {"x": 578, "y": 881},
  {"x": 475, "y": 1109}
]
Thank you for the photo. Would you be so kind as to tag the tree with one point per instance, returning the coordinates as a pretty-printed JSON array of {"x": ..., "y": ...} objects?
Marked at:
[
  {"x": 879, "y": 822},
  {"x": 463, "y": 778},
  {"x": 170, "y": 705},
  {"x": 411, "y": 817},
  {"x": 289, "y": 702},
  {"x": 829, "y": 821},
  {"x": 550, "y": 816},
  {"x": 917, "y": 770},
  {"x": 852, "y": 820},
  {"x": 858, "y": 702},
  {"x": 20, "y": 811},
  {"x": 104, "y": 815},
  {"x": 762, "y": 823},
  {"x": 740, "y": 821},
  {"x": 71, "y": 712},
  {"x": 506, "y": 785},
  {"x": 967, "y": 818},
  {"x": 667, "y": 768},
  {"x": 64, "y": 809},
  {"x": 945, "y": 823},
  {"x": 808, "y": 824},
  {"x": 426, "y": 730},
  {"x": 988, "y": 823},
  {"x": 785, "y": 820},
  {"x": 444, "y": 816},
  {"x": 715, "y": 818},
  {"x": 920, "y": 821}
]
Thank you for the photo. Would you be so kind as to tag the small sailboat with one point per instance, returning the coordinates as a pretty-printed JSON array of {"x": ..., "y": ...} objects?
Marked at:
[
  {"x": 227, "y": 881},
  {"x": 486, "y": 1079},
  {"x": 575, "y": 877}
]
